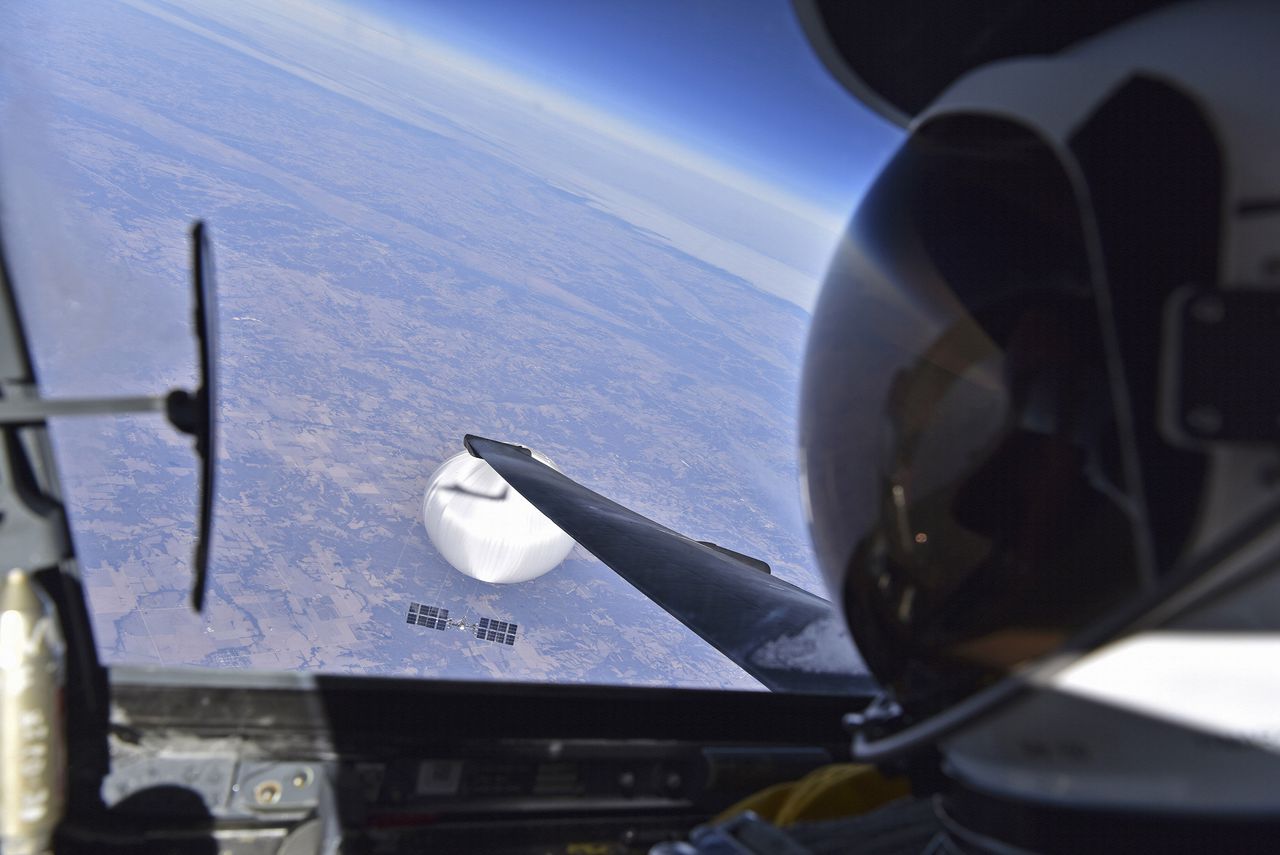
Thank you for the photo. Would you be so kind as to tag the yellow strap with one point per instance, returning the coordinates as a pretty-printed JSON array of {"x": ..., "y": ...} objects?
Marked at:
[{"x": 832, "y": 792}]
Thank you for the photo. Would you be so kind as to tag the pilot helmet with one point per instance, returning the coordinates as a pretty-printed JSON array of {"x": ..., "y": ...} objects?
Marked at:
[{"x": 1040, "y": 415}]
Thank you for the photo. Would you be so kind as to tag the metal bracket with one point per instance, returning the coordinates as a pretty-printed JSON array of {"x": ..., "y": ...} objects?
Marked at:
[
  {"x": 276, "y": 786},
  {"x": 192, "y": 413},
  {"x": 30, "y": 411},
  {"x": 1220, "y": 361}
]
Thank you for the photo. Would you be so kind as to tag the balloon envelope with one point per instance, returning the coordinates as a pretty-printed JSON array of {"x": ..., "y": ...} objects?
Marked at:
[{"x": 484, "y": 528}]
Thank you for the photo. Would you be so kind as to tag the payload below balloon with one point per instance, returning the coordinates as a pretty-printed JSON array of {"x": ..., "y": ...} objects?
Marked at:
[{"x": 484, "y": 528}]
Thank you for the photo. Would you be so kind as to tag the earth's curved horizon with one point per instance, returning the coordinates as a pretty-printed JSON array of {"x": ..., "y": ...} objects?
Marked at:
[{"x": 407, "y": 252}]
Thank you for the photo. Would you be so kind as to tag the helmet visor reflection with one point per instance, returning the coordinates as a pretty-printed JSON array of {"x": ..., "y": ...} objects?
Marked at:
[{"x": 960, "y": 453}]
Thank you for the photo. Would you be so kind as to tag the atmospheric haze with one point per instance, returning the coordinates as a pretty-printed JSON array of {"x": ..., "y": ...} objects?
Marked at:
[{"x": 410, "y": 249}]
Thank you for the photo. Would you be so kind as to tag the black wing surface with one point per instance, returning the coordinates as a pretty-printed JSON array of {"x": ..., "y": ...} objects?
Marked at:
[{"x": 785, "y": 637}]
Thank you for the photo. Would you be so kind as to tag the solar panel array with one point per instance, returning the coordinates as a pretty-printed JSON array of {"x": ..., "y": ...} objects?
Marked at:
[
  {"x": 432, "y": 617},
  {"x": 496, "y": 630}
]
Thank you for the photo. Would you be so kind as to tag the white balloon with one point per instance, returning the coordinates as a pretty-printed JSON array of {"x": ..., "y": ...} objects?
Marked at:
[{"x": 486, "y": 529}]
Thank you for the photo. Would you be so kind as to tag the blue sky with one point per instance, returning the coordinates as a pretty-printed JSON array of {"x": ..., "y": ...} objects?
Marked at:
[
  {"x": 734, "y": 79},
  {"x": 254, "y": 148}
]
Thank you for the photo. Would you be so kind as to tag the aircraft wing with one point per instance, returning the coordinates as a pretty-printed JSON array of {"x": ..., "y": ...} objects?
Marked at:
[{"x": 785, "y": 637}]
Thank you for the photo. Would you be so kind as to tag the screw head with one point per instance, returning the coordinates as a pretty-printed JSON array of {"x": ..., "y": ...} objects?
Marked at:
[{"x": 267, "y": 792}]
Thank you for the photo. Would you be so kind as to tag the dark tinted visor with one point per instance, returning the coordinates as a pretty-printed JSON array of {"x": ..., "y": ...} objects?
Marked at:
[{"x": 960, "y": 452}]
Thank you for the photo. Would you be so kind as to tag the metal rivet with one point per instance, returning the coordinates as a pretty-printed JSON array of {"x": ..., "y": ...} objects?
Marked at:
[{"x": 267, "y": 792}]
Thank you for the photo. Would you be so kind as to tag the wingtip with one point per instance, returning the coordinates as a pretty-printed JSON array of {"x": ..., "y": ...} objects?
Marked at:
[{"x": 468, "y": 442}]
